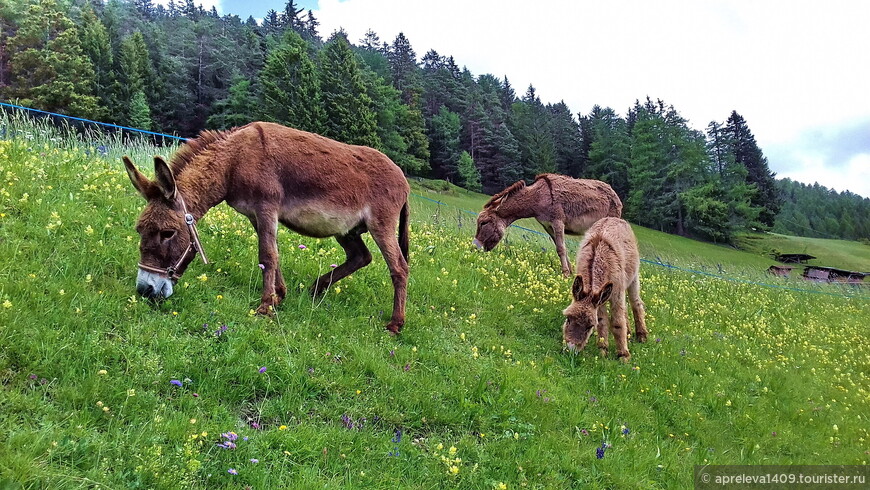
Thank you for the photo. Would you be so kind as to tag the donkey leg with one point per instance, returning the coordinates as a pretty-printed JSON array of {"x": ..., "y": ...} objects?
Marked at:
[
  {"x": 603, "y": 322},
  {"x": 280, "y": 286},
  {"x": 637, "y": 307},
  {"x": 558, "y": 236},
  {"x": 267, "y": 233},
  {"x": 357, "y": 257},
  {"x": 619, "y": 325},
  {"x": 384, "y": 235}
]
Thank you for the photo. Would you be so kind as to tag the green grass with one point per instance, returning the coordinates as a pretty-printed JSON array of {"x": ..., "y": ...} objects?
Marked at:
[{"x": 477, "y": 383}]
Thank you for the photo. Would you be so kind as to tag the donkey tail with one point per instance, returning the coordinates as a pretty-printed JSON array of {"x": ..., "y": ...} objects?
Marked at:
[{"x": 403, "y": 230}]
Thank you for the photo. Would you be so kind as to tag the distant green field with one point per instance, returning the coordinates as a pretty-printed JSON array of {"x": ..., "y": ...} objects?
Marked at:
[
  {"x": 102, "y": 389},
  {"x": 843, "y": 254}
]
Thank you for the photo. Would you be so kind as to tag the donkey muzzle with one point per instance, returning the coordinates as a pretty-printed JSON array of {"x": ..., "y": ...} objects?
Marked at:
[{"x": 153, "y": 286}]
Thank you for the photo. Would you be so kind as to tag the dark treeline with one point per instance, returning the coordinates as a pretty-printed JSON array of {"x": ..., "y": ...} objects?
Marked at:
[
  {"x": 180, "y": 69},
  {"x": 816, "y": 211}
]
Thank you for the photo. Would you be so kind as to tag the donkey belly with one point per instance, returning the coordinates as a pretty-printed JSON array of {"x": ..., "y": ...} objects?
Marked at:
[
  {"x": 320, "y": 223},
  {"x": 579, "y": 225}
]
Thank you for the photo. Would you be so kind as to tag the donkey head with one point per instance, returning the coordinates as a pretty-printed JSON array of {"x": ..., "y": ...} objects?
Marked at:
[
  {"x": 581, "y": 316},
  {"x": 165, "y": 241},
  {"x": 490, "y": 230}
]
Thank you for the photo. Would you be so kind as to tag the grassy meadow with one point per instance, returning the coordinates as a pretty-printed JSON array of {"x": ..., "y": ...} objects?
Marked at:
[{"x": 101, "y": 389}]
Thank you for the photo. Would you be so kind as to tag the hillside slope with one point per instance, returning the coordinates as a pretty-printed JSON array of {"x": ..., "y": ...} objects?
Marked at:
[{"x": 99, "y": 388}]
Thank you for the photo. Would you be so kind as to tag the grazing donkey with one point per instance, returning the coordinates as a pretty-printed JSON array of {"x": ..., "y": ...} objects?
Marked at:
[
  {"x": 273, "y": 174},
  {"x": 607, "y": 265},
  {"x": 561, "y": 204}
]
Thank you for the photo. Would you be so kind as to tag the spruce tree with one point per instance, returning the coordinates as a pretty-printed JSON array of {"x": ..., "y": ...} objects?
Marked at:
[
  {"x": 349, "y": 113},
  {"x": 290, "y": 86},
  {"x": 567, "y": 140},
  {"x": 47, "y": 67},
  {"x": 745, "y": 151},
  {"x": 468, "y": 173}
]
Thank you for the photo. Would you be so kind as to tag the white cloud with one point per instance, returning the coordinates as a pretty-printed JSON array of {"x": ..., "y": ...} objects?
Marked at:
[{"x": 786, "y": 66}]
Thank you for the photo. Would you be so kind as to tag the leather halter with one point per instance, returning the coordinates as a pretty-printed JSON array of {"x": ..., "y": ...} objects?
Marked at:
[{"x": 195, "y": 246}]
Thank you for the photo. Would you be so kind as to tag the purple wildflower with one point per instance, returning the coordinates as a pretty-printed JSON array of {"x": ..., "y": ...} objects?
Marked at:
[
  {"x": 398, "y": 437},
  {"x": 347, "y": 421},
  {"x": 232, "y": 471},
  {"x": 33, "y": 376},
  {"x": 227, "y": 445},
  {"x": 302, "y": 247},
  {"x": 196, "y": 395},
  {"x": 599, "y": 453},
  {"x": 255, "y": 460},
  {"x": 262, "y": 369},
  {"x": 392, "y": 354},
  {"x": 584, "y": 432},
  {"x": 407, "y": 367},
  {"x": 175, "y": 382},
  {"x": 333, "y": 265},
  {"x": 230, "y": 436},
  {"x": 255, "y": 426},
  {"x": 261, "y": 266},
  {"x": 626, "y": 431}
]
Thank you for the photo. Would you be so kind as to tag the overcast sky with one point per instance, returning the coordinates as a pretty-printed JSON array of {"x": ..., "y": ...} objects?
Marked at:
[{"x": 797, "y": 71}]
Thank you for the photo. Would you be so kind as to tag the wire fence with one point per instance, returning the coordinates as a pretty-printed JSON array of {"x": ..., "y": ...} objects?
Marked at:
[{"x": 646, "y": 261}]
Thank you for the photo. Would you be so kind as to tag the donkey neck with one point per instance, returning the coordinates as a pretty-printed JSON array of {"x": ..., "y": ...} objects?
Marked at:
[
  {"x": 203, "y": 186},
  {"x": 523, "y": 204}
]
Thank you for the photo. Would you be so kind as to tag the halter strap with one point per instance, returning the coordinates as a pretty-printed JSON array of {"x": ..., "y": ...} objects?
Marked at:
[{"x": 195, "y": 246}]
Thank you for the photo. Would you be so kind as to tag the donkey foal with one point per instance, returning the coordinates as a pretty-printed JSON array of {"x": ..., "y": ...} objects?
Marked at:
[{"x": 607, "y": 265}]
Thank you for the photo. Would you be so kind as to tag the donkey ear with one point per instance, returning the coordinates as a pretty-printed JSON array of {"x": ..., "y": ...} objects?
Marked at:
[
  {"x": 146, "y": 187},
  {"x": 165, "y": 178},
  {"x": 604, "y": 295},
  {"x": 577, "y": 288}
]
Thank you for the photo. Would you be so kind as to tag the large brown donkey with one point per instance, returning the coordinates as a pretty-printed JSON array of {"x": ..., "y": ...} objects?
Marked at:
[
  {"x": 608, "y": 264},
  {"x": 273, "y": 174},
  {"x": 561, "y": 204}
]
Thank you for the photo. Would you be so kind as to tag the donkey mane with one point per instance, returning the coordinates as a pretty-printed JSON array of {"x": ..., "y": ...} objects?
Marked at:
[
  {"x": 513, "y": 189},
  {"x": 194, "y": 146}
]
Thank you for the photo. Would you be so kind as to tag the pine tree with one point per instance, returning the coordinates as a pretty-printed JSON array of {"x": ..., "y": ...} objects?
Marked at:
[
  {"x": 139, "y": 114},
  {"x": 746, "y": 152},
  {"x": 290, "y": 86},
  {"x": 134, "y": 70},
  {"x": 444, "y": 130},
  {"x": 531, "y": 127},
  {"x": 97, "y": 47},
  {"x": 237, "y": 109},
  {"x": 289, "y": 18},
  {"x": 404, "y": 71},
  {"x": 468, "y": 173},
  {"x": 349, "y": 114},
  {"x": 47, "y": 67},
  {"x": 609, "y": 150},
  {"x": 566, "y": 140}
]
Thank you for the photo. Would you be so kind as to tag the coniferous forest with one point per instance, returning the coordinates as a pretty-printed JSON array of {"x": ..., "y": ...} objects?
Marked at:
[{"x": 181, "y": 69}]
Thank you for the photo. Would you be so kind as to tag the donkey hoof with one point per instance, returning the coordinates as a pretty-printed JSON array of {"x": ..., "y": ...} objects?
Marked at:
[
  {"x": 265, "y": 310},
  {"x": 641, "y": 337},
  {"x": 394, "y": 328},
  {"x": 624, "y": 358},
  {"x": 602, "y": 352}
]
